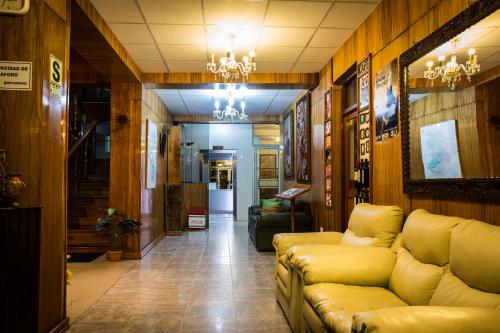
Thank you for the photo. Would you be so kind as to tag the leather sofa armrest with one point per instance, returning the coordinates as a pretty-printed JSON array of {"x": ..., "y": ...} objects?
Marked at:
[
  {"x": 282, "y": 242},
  {"x": 423, "y": 319},
  {"x": 355, "y": 265},
  {"x": 297, "y": 251}
]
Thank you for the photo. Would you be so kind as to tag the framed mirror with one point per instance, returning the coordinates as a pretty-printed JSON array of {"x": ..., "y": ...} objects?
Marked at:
[{"x": 450, "y": 107}]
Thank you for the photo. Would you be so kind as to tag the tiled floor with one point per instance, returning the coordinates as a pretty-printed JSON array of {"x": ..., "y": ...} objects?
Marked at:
[{"x": 205, "y": 281}]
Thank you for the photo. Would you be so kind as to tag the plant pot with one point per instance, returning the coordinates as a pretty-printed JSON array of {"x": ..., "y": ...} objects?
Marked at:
[{"x": 114, "y": 256}]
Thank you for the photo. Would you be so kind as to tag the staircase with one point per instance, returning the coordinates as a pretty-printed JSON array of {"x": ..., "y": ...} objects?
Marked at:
[{"x": 89, "y": 202}]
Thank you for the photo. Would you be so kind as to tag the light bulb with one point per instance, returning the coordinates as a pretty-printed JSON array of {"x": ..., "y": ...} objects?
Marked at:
[
  {"x": 252, "y": 54},
  {"x": 217, "y": 105},
  {"x": 245, "y": 59},
  {"x": 471, "y": 52},
  {"x": 230, "y": 101},
  {"x": 223, "y": 60},
  {"x": 430, "y": 63},
  {"x": 242, "y": 104},
  {"x": 441, "y": 57}
]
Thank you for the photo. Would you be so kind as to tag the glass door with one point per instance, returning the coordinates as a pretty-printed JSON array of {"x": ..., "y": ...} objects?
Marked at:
[{"x": 267, "y": 161}]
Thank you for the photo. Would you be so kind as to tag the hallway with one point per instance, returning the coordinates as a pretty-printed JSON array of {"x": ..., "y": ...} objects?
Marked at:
[{"x": 205, "y": 281}]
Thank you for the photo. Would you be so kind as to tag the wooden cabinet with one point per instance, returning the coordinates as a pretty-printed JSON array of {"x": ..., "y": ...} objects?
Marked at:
[
  {"x": 19, "y": 275},
  {"x": 174, "y": 155}
]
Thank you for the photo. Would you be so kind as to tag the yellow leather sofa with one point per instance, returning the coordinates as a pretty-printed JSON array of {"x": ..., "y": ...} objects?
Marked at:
[
  {"x": 445, "y": 277},
  {"x": 369, "y": 225}
]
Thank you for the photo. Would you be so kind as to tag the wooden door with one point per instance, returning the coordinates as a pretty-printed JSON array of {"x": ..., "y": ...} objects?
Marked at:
[{"x": 350, "y": 158}]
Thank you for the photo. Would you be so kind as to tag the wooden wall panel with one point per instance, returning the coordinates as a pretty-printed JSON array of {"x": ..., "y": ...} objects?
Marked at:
[
  {"x": 393, "y": 27},
  {"x": 152, "y": 200},
  {"x": 125, "y": 156},
  {"x": 33, "y": 130}
]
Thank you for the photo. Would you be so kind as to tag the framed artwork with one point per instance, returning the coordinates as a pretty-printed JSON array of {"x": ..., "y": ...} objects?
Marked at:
[
  {"x": 386, "y": 101},
  {"x": 267, "y": 166},
  {"x": 327, "y": 147},
  {"x": 303, "y": 146},
  {"x": 288, "y": 146},
  {"x": 151, "y": 153},
  {"x": 364, "y": 107}
]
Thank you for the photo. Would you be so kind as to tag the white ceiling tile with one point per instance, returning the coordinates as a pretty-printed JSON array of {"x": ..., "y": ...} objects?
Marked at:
[
  {"x": 123, "y": 11},
  {"x": 178, "y": 34},
  {"x": 184, "y": 52},
  {"x": 348, "y": 15},
  {"x": 307, "y": 67},
  {"x": 149, "y": 66},
  {"x": 246, "y": 38},
  {"x": 172, "y": 11},
  {"x": 328, "y": 37},
  {"x": 187, "y": 66},
  {"x": 317, "y": 54},
  {"x": 131, "y": 33},
  {"x": 291, "y": 92},
  {"x": 281, "y": 54},
  {"x": 285, "y": 36},
  {"x": 143, "y": 51},
  {"x": 295, "y": 13},
  {"x": 274, "y": 67},
  {"x": 236, "y": 13},
  {"x": 167, "y": 92},
  {"x": 175, "y": 108}
]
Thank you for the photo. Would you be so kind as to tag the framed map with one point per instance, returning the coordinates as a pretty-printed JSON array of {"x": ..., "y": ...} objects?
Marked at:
[{"x": 440, "y": 151}]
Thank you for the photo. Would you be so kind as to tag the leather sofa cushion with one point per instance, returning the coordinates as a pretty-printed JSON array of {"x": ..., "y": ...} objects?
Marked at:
[
  {"x": 335, "y": 304},
  {"x": 451, "y": 291},
  {"x": 282, "y": 242},
  {"x": 379, "y": 222},
  {"x": 413, "y": 281},
  {"x": 311, "y": 249},
  {"x": 427, "y": 236},
  {"x": 350, "y": 238},
  {"x": 475, "y": 255}
]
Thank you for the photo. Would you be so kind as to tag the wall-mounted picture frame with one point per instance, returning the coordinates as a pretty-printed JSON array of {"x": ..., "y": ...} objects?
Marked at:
[
  {"x": 327, "y": 147},
  {"x": 386, "y": 101},
  {"x": 151, "y": 153},
  {"x": 303, "y": 144},
  {"x": 288, "y": 146}
]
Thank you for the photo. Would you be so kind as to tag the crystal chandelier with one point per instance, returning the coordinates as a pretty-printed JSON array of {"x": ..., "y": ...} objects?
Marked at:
[
  {"x": 451, "y": 71},
  {"x": 229, "y": 67},
  {"x": 230, "y": 113}
]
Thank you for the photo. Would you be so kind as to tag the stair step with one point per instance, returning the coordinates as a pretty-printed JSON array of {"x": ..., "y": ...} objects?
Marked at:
[
  {"x": 85, "y": 201},
  {"x": 87, "y": 238},
  {"x": 87, "y": 211},
  {"x": 90, "y": 194}
]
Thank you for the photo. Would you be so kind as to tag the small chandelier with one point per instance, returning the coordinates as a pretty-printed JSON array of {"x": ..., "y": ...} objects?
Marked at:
[
  {"x": 229, "y": 67},
  {"x": 230, "y": 113},
  {"x": 451, "y": 71}
]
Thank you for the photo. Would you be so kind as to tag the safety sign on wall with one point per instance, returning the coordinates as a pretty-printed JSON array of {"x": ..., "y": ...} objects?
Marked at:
[
  {"x": 15, "y": 75},
  {"x": 56, "y": 78}
]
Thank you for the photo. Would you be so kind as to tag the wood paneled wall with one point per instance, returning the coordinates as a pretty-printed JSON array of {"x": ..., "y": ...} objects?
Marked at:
[
  {"x": 393, "y": 27},
  {"x": 33, "y": 129},
  {"x": 125, "y": 156},
  {"x": 152, "y": 200}
]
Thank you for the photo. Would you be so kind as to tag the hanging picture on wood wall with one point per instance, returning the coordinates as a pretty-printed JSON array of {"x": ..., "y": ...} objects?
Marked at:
[
  {"x": 288, "y": 145},
  {"x": 386, "y": 101},
  {"x": 303, "y": 145},
  {"x": 152, "y": 151},
  {"x": 364, "y": 108},
  {"x": 327, "y": 147}
]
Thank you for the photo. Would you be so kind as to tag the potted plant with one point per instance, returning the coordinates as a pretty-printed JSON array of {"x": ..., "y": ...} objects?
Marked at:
[{"x": 115, "y": 225}]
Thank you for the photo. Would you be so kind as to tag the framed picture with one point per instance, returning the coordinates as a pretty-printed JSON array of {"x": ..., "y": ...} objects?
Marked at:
[
  {"x": 267, "y": 166},
  {"x": 151, "y": 153},
  {"x": 328, "y": 147},
  {"x": 386, "y": 101},
  {"x": 288, "y": 146},
  {"x": 303, "y": 146}
]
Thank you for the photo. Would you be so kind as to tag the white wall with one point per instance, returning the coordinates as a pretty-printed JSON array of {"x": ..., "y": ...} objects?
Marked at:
[{"x": 238, "y": 137}]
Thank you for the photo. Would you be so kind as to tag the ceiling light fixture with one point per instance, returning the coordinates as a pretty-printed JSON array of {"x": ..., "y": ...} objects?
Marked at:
[
  {"x": 451, "y": 71},
  {"x": 230, "y": 68},
  {"x": 230, "y": 113}
]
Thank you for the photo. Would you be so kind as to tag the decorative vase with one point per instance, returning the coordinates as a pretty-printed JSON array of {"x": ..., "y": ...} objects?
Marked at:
[
  {"x": 114, "y": 256},
  {"x": 13, "y": 186}
]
